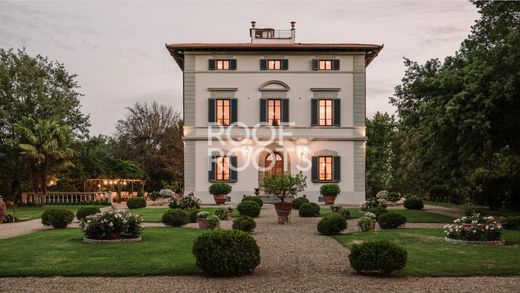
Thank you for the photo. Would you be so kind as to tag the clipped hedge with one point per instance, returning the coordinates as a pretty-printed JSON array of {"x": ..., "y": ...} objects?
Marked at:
[
  {"x": 57, "y": 218},
  {"x": 86, "y": 211},
  {"x": 309, "y": 210},
  {"x": 244, "y": 223},
  {"x": 249, "y": 208},
  {"x": 192, "y": 214},
  {"x": 226, "y": 253},
  {"x": 391, "y": 220},
  {"x": 377, "y": 256},
  {"x": 332, "y": 224},
  {"x": 175, "y": 218},
  {"x": 297, "y": 202},
  {"x": 511, "y": 223},
  {"x": 136, "y": 202},
  {"x": 256, "y": 199},
  {"x": 413, "y": 203}
]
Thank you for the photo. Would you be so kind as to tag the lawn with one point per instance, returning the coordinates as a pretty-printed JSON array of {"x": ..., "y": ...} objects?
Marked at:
[
  {"x": 354, "y": 212},
  {"x": 412, "y": 216},
  {"x": 430, "y": 255},
  {"x": 30, "y": 213},
  {"x": 163, "y": 251},
  {"x": 155, "y": 214}
]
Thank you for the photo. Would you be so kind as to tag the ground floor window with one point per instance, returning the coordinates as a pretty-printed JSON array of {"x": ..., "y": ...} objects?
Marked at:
[
  {"x": 325, "y": 164},
  {"x": 222, "y": 169}
]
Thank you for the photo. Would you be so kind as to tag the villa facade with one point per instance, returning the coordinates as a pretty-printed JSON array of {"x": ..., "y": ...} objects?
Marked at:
[{"x": 273, "y": 105}]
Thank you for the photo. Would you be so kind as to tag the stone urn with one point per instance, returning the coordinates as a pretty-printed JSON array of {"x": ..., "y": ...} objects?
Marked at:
[
  {"x": 283, "y": 210},
  {"x": 220, "y": 199},
  {"x": 329, "y": 199},
  {"x": 3, "y": 210}
]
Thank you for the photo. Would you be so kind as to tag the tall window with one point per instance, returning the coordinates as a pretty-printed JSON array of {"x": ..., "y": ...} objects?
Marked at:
[
  {"x": 222, "y": 64},
  {"x": 274, "y": 64},
  {"x": 325, "y": 64},
  {"x": 274, "y": 112},
  {"x": 222, "y": 112},
  {"x": 325, "y": 112},
  {"x": 325, "y": 171},
  {"x": 222, "y": 170}
]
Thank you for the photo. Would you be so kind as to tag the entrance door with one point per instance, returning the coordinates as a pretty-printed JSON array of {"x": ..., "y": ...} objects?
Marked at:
[{"x": 276, "y": 166}]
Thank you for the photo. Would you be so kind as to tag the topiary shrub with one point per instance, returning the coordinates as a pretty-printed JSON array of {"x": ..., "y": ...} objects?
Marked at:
[
  {"x": 86, "y": 211},
  {"x": 226, "y": 253},
  {"x": 413, "y": 203},
  {"x": 344, "y": 213},
  {"x": 136, "y": 203},
  {"x": 57, "y": 218},
  {"x": 297, "y": 202},
  {"x": 393, "y": 196},
  {"x": 249, "y": 208},
  {"x": 219, "y": 188},
  {"x": 309, "y": 210},
  {"x": 377, "y": 256},
  {"x": 377, "y": 211},
  {"x": 332, "y": 224},
  {"x": 192, "y": 215},
  {"x": 391, "y": 220},
  {"x": 186, "y": 202},
  {"x": 221, "y": 213},
  {"x": 256, "y": 199},
  {"x": 213, "y": 222},
  {"x": 511, "y": 223},
  {"x": 330, "y": 189},
  {"x": 175, "y": 218},
  {"x": 244, "y": 223}
]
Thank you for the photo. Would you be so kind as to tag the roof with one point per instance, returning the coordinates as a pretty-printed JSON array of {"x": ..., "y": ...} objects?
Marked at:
[{"x": 177, "y": 50}]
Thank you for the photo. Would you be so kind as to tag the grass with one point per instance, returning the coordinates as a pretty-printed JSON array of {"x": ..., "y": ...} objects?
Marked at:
[
  {"x": 354, "y": 212},
  {"x": 484, "y": 209},
  {"x": 155, "y": 214},
  {"x": 30, "y": 213},
  {"x": 430, "y": 255},
  {"x": 163, "y": 251},
  {"x": 412, "y": 216}
]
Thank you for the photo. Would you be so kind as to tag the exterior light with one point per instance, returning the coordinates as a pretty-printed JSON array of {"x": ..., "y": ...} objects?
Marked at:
[{"x": 245, "y": 150}]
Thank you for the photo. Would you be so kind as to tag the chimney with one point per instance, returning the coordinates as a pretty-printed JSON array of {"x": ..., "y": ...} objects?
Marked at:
[
  {"x": 293, "y": 31},
  {"x": 252, "y": 31}
]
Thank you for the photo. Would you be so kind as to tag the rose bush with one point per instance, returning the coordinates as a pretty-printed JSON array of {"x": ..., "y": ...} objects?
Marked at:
[
  {"x": 474, "y": 228},
  {"x": 112, "y": 225}
]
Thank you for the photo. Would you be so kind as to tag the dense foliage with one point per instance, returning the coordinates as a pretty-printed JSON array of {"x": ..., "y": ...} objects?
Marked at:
[
  {"x": 136, "y": 202},
  {"x": 219, "y": 188},
  {"x": 83, "y": 212},
  {"x": 213, "y": 222},
  {"x": 474, "y": 228},
  {"x": 249, "y": 208},
  {"x": 297, "y": 202},
  {"x": 226, "y": 253},
  {"x": 511, "y": 223},
  {"x": 413, "y": 203},
  {"x": 57, "y": 218},
  {"x": 186, "y": 202},
  {"x": 332, "y": 224},
  {"x": 377, "y": 257},
  {"x": 221, "y": 213},
  {"x": 112, "y": 225},
  {"x": 330, "y": 189},
  {"x": 309, "y": 210},
  {"x": 244, "y": 223},
  {"x": 283, "y": 186},
  {"x": 175, "y": 218},
  {"x": 256, "y": 199},
  {"x": 391, "y": 220}
]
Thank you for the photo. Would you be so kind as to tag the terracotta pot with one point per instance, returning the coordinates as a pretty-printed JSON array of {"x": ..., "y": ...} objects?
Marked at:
[
  {"x": 203, "y": 224},
  {"x": 283, "y": 210},
  {"x": 3, "y": 210},
  {"x": 329, "y": 199},
  {"x": 220, "y": 198}
]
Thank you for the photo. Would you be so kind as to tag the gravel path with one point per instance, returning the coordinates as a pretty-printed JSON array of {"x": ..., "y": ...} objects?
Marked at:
[
  {"x": 457, "y": 213},
  {"x": 295, "y": 258}
]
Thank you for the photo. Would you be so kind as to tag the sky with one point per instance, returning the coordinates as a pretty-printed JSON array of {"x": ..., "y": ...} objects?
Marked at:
[{"x": 117, "y": 48}]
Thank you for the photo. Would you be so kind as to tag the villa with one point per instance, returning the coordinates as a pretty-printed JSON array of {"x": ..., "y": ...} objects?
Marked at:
[{"x": 273, "y": 106}]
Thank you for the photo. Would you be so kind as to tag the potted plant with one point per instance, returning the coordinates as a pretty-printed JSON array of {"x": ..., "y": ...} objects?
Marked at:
[
  {"x": 329, "y": 192},
  {"x": 220, "y": 192},
  {"x": 284, "y": 186},
  {"x": 202, "y": 220}
]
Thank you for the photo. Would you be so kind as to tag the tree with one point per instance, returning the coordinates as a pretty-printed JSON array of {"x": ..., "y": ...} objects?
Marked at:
[
  {"x": 283, "y": 186},
  {"x": 381, "y": 157},
  {"x": 45, "y": 144},
  {"x": 151, "y": 135},
  {"x": 37, "y": 88}
]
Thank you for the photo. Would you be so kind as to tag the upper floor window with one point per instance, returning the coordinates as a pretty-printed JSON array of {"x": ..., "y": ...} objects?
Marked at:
[
  {"x": 325, "y": 112},
  {"x": 325, "y": 171},
  {"x": 274, "y": 64},
  {"x": 325, "y": 64},
  {"x": 222, "y": 64},
  {"x": 222, "y": 169},
  {"x": 274, "y": 111},
  {"x": 223, "y": 111}
]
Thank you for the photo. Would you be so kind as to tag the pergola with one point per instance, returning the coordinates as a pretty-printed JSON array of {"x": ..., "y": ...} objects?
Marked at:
[{"x": 113, "y": 184}]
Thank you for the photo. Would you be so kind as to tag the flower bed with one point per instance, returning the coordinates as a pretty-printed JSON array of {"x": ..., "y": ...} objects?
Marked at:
[
  {"x": 112, "y": 226},
  {"x": 474, "y": 229}
]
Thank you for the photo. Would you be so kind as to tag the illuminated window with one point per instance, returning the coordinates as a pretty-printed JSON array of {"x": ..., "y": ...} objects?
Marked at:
[
  {"x": 222, "y": 64},
  {"x": 325, "y": 64},
  {"x": 325, "y": 112},
  {"x": 274, "y": 64},
  {"x": 325, "y": 171},
  {"x": 222, "y": 117},
  {"x": 274, "y": 112},
  {"x": 222, "y": 170}
]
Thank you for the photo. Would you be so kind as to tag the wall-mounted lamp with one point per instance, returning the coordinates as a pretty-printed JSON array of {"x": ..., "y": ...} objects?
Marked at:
[
  {"x": 245, "y": 150},
  {"x": 301, "y": 150}
]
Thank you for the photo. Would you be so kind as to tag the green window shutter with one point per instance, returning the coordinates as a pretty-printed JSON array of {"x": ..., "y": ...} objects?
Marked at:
[
  {"x": 314, "y": 170},
  {"x": 263, "y": 110},
  {"x": 314, "y": 112},
  {"x": 211, "y": 64},
  {"x": 233, "y": 64},
  {"x": 212, "y": 166},
  {"x": 233, "y": 176},
  {"x": 314, "y": 64},
  {"x": 234, "y": 110},
  {"x": 263, "y": 64},
  {"x": 337, "y": 112},
  {"x": 211, "y": 110},
  {"x": 285, "y": 110},
  {"x": 285, "y": 64},
  {"x": 336, "y": 168},
  {"x": 335, "y": 64}
]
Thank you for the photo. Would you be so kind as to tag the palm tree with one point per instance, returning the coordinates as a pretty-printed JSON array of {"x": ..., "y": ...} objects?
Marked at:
[{"x": 45, "y": 145}]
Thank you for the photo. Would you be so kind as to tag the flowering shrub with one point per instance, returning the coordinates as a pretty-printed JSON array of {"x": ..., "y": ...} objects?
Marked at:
[
  {"x": 186, "y": 202},
  {"x": 474, "y": 228},
  {"x": 112, "y": 225},
  {"x": 373, "y": 202}
]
